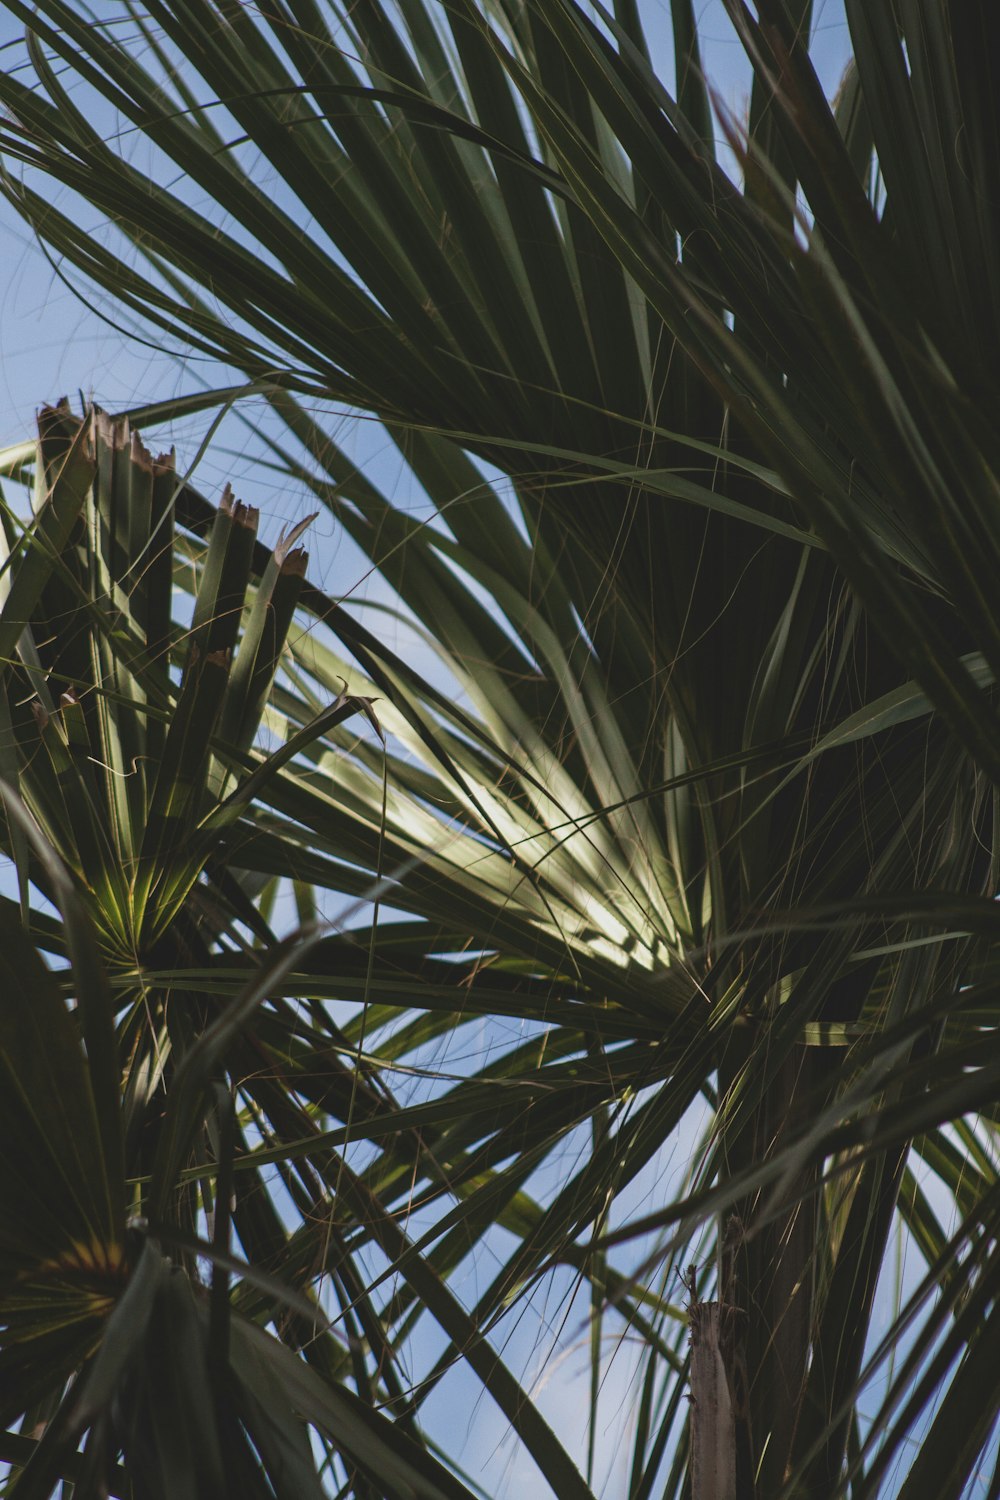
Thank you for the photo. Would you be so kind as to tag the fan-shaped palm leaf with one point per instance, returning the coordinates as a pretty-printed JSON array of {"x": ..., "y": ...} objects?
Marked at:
[{"x": 710, "y": 807}]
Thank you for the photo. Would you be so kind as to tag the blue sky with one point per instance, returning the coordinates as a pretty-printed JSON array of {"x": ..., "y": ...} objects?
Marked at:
[{"x": 58, "y": 339}]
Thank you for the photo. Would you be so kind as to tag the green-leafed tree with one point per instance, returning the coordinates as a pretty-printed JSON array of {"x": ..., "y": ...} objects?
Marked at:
[{"x": 697, "y": 830}]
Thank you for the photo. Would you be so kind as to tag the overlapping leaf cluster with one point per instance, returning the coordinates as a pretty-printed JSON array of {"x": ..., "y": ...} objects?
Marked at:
[{"x": 712, "y": 813}]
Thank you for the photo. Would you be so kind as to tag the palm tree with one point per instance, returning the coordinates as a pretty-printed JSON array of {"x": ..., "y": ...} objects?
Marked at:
[{"x": 699, "y": 831}]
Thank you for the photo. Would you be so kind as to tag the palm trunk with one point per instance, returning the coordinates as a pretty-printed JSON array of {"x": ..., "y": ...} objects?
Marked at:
[
  {"x": 713, "y": 1422},
  {"x": 766, "y": 1286}
]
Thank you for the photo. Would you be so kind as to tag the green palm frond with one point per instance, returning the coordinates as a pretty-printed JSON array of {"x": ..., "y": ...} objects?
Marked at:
[
  {"x": 195, "y": 1397},
  {"x": 702, "y": 803}
]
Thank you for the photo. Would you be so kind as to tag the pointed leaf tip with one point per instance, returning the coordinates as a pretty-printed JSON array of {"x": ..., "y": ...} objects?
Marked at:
[{"x": 285, "y": 542}]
